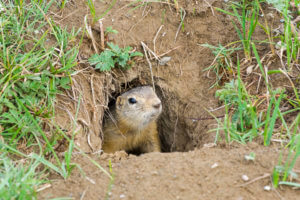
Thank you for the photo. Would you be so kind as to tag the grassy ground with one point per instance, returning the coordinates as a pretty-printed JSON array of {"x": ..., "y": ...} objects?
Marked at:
[
  {"x": 36, "y": 63},
  {"x": 249, "y": 116},
  {"x": 37, "y": 57}
]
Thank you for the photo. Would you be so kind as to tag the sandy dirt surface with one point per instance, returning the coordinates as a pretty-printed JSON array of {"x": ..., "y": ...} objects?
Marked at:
[{"x": 207, "y": 173}]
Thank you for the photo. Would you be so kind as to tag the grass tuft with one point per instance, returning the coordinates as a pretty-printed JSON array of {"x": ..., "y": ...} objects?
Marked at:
[
  {"x": 18, "y": 181},
  {"x": 248, "y": 116},
  {"x": 37, "y": 58}
]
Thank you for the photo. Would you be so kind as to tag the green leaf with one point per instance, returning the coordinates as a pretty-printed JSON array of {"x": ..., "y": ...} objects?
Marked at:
[
  {"x": 127, "y": 49},
  {"x": 136, "y": 53},
  {"x": 280, "y": 5},
  {"x": 110, "y": 30},
  {"x": 289, "y": 184},
  {"x": 115, "y": 48},
  {"x": 104, "y": 61},
  {"x": 122, "y": 59},
  {"x": 65, "y": 82},
  {"x": 104, "y": 66},
  {"x": 46, "y": 162},
  {"x": 115, "y": 56},
  {"x": 94, "y": 59}
]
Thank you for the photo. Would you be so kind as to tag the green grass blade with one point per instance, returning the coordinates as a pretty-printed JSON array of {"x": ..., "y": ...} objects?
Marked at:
[{"x": 271, "y": 123}]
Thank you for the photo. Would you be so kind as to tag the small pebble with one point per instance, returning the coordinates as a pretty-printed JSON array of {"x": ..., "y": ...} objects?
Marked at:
[
  {"x": 164, "y": 60},
  {"x": 154, "y": 173},
  {"x": 267, "y": 188},
  {"x": 214, "y": 165},
  {"x": 245, "y": 178},
  {"x": 122, "y": 196},
  {"x": 252, "y": 155},
  {"x": 209, "y": 145},
  {"x": 249, "y": 71}
]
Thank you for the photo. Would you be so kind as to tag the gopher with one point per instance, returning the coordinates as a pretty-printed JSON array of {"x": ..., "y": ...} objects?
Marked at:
[{"x": 131, "y": 125}]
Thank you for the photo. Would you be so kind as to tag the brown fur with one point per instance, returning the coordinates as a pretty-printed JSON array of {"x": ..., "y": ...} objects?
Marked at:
[{"x": 133, "y": 126}]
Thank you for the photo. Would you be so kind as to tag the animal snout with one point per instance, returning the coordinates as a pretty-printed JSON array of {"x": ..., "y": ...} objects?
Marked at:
[{"x": 157, "y": 106}]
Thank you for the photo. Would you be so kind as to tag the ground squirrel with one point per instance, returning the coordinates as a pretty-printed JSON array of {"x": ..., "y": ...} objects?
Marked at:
[{"x": 131, "y": 125}]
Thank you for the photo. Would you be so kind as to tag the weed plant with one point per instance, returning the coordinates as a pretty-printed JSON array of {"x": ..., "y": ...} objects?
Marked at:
[
  {"x": 283, "y": 173},
  {"x": 92, "y": 9},
  {"x": 222, "y": 65},
  {"x": 112, "y": 57},
  {"x": 246, "y": 121},
  {"x": 247, "y": 22}
]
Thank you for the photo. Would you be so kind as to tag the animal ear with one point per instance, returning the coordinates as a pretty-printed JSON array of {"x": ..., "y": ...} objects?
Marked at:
[{"x": 119, "y": 102}]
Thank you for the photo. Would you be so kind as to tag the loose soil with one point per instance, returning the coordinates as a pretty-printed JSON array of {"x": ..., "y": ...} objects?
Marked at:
[
  {"x": 191, "y": 171},
  {"x": 207, "y": 173}
]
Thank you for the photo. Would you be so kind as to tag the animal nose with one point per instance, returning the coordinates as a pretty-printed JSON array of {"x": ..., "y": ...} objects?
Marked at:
[{"x": 157, "y": 106}]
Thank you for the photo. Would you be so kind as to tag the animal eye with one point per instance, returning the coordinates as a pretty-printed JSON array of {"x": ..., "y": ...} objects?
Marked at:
[{"x": 132, "y": 100}]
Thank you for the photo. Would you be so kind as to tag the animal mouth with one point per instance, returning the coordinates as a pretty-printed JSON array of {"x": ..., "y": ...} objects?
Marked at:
[
  {"x": 157, "y": 106},
  {"x": 154, "y": 115}
]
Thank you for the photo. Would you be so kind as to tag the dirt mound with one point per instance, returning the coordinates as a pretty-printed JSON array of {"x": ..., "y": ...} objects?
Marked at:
[
  {"x": 208, "y": 173},
  {"x": 181, "y": 83}
]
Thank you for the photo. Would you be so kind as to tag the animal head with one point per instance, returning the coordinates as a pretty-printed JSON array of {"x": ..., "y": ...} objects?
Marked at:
[{"x": 138, "y": 106}]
